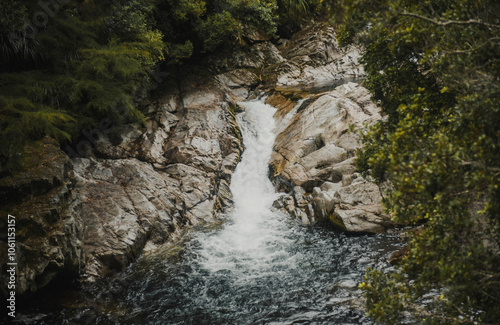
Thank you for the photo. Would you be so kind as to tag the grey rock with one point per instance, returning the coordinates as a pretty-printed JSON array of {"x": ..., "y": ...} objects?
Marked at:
[
  {"x": 178, "y": 177},
  {"x": 331, "y": 115},
  {"x": 359, "y": 221},
  {"x": 315, "y": 61},
  {"x": 330, "y": 187},
  {"x": 93, "y": 216},
  {"x": 315, "y": 147}
]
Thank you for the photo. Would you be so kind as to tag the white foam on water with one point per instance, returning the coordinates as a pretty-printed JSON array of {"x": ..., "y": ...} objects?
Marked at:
[{"x": 253, "y": 243}]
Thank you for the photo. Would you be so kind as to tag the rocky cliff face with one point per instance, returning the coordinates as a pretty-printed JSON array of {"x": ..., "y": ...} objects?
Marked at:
[
  {"x": 314, "y": 61},
  {"x": 49, "y": 241},
  {"x": 88, "y": 217}
]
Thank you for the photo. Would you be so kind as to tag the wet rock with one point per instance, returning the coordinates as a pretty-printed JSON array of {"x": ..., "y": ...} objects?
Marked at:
[
  {"x": 180, "y": 177},
  {"x": 298, "y": 205},
  {"x": 298, "y": 195}
]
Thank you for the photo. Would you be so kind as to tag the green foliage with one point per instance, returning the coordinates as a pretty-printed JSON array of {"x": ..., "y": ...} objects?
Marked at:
[
  {"x": 433, "y": 67},
  {"x": 218, "y": 28},
  {"x": 12, "y": 20},
  {"x": 21, "y": 121},
  {"x": 84, "y": 65},
  {"x": 297, "y": 5},
  {"x": 194, "y": 27},
  {"x": 292, "y": 14}
]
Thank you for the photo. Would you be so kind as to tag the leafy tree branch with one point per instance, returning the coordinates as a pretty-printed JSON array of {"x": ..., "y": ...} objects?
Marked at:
[{"x": 450, "y": 22}]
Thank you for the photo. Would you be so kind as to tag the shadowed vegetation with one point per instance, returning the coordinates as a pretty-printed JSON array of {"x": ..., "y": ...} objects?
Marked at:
[{"x": 434, "y": 67}]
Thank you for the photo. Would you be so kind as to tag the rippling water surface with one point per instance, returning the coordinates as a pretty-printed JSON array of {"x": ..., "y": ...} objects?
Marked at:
[{"x": 258, "y": 267}]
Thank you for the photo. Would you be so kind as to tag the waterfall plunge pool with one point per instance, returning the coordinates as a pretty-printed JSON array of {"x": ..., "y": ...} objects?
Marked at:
[{"x": 257, "y": 267}]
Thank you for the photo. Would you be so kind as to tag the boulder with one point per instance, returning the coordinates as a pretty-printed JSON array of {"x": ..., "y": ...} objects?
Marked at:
[{"x": 356, "y": 207}]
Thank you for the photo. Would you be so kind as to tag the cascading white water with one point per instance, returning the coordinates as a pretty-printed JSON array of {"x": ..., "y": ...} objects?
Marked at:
[
  {"x": 252, "y": 190},
  {"x": 253, "y": 243}
]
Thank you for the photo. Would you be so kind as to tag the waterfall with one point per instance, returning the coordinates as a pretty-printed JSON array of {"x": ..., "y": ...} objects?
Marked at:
[
  {"x": 252, "y": 190},
  {"x": 253, "y": 242},
  {"x": 260, "y": 267}
]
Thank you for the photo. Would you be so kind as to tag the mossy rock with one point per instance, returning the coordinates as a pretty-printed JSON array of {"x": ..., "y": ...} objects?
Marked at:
[
  {"x": 337, "y": 222},
  {"x": 44, "y": 168}
]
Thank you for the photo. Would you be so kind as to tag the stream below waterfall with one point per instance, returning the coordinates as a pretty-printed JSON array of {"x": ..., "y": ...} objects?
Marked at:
[{"x": 258, "y": 266}]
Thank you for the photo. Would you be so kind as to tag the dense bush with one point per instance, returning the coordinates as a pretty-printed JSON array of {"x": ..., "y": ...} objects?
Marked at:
[
  {"x": 193, "y": 27},
  {"x": 434, "y": 67},
  {"x": 67, "y": 67}
]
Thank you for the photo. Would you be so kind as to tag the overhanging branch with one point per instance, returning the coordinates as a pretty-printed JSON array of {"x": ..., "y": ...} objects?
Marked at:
[
  {"x": 451, "y": 22},
  {"x": 479, "y": 165}
]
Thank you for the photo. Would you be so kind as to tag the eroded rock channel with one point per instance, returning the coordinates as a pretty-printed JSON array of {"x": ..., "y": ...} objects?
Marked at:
[{"x": 155, "y": 195}]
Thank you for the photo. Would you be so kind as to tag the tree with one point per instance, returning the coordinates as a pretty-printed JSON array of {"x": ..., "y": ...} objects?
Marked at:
[
  {"x": 71, "y": 67},
  {"x": 433, "y": 66},
  {"x": 200, "y": 27}
]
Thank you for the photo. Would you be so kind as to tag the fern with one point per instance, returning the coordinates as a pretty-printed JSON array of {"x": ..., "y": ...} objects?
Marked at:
[
  {"x": 297, "y": 6},
  {"x": 22, "y": 121}
]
